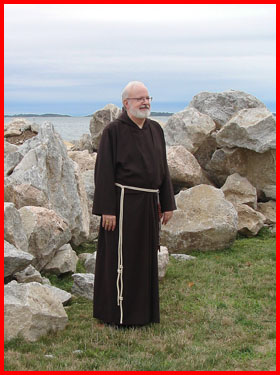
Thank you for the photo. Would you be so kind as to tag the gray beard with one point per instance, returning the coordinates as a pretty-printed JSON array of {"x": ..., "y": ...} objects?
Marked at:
[{"x": 140, "y": 114}]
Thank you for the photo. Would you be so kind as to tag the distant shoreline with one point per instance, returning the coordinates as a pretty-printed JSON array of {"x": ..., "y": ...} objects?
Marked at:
[
  {"x": 59, "y": 115},
  {"x": 43, "y": 115}
]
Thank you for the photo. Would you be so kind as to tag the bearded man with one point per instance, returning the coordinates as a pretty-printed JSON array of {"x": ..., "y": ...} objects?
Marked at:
[{"x": 133, "y": 195}]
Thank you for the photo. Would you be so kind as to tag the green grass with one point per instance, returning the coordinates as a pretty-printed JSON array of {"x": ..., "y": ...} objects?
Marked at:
[{"x": 217, "y": 313}]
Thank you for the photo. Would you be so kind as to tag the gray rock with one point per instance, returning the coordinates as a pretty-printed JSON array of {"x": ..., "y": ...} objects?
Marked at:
[
  {"x": 184, "y": 168},
  {"x": 31, "y": 311},
  {"x": 59, "y": 294},
  {"x": 35, "y": 127},
  {"x": 84, "y": 257},
  {"x": 85, "y": 160},
  {"x": 84, "y": 143},
  {"x": 46, "y": 232},
  {"x": 11, "y": 161},
  {"x": 253, "y": 129},
  {"x": 259, "y": 169},
  {"x": 9, "y": 148},
  {"x": 90, "y": 263},
  {"x": 83, "y": 285},
  {"x": 64, "y": 261},
  {"x": 188, "y": 128},
  {"x": 249, "y": 221},
  {"x": 12, "y": 132},
  {"x": 81, "y": 233},
  {"x": 207, "y": 148},
  {"x": 268, "y": 209},
  {"x": 28, "y": 275},
  {"x": 46, "y": 281},
  {"x": 88, "y": 180},
  {"x": 221, "y": 107},
  {"x": 182, "y": 256},
  {"x": 225, "y": 162},
  {"x": 19, "y": 124},
  {"x": 238, "y": 190},
  {"x": 204, "y": 220},
  {"x": 13, "y": 228},
  {"x": 47, "y": 177},
  {"x": 163, "y": 259},
  {"x": 99, "y": 120},
  {"x": 14, "y": 259}
]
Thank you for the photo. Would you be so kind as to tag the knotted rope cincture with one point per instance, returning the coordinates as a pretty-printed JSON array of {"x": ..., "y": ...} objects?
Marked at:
[{"x": 120, "y": 254}]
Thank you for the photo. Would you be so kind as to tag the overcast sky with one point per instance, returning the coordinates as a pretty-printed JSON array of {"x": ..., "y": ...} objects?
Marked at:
[{"x": 76, "y": 58}]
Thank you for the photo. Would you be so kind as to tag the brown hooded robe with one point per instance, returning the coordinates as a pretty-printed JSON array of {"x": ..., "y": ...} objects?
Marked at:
[{"x": 135, "y": 157}]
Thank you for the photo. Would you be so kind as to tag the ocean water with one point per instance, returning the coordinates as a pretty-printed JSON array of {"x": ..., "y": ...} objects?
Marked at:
[{"x": 71, "y": 128}]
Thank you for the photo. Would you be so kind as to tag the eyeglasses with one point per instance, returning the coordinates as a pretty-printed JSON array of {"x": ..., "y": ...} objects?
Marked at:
[{"x": 142, "y": 99}]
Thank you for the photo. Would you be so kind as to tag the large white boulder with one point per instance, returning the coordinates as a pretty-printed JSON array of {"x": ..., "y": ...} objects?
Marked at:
[
  {"x": 46, "y": 232},
  {"x": 238, "y": 190},
  {"x": 64, "y": 261},
  {"x": 99, "y": 120},
  {"x": 253, "y": 129},
  {"x": 258, "y": 168},
  {"x": 31, "y": 310},
  {"x": 14, "y": 259},
  {"x": 188, "y": 128},
  {"x": 184, "y": 168},
  {"x": 222, "y": 106},
  {"x": 47, "y": 177},
  {"x": 204, "y": 220}
]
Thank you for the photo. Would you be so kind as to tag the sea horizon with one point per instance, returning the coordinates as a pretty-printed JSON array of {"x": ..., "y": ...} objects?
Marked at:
[
  {"x": 70, "y": 128},
  {"x": 30, "y": 114},
  {"x": 88, "y": 109}
]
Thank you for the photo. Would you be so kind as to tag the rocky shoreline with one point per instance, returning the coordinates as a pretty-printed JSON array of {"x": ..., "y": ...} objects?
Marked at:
[{"x": 221, "y": 156}]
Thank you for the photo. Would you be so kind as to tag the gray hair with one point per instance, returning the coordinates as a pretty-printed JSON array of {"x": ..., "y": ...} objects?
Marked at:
[{"x": 128, "y": 87}]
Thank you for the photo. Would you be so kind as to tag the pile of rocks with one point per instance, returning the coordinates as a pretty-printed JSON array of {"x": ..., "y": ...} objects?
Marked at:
[{"x": 221, "y": 155}]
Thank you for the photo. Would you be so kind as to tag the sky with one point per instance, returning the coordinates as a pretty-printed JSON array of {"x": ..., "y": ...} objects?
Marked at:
[{"x": 75, "y": 58}]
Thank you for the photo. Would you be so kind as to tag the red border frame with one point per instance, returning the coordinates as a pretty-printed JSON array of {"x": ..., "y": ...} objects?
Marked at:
[{"x": 2, "y": 189}]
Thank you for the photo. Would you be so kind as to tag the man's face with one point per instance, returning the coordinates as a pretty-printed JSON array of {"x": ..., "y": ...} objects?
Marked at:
[{"x": 138, "y": 108}]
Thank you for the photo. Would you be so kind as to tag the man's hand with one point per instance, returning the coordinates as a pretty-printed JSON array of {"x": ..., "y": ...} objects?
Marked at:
[
  {"x": 109, "y": 222},
  {"x": 166, "y": 217}
]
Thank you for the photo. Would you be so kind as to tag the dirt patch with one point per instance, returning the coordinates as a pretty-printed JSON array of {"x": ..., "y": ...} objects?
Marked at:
[{"x": 20, "y": 139}]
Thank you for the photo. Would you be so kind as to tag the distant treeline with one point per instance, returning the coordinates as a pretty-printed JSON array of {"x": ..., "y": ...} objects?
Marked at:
[
  {"x": 34, "y": 115},
  {"x": 161, "y": 114}
]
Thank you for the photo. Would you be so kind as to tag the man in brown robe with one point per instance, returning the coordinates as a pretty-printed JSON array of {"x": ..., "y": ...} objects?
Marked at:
[{"x": 131, "y": 154}]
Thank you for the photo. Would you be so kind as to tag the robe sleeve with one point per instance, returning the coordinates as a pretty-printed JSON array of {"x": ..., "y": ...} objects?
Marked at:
[
  {"x": 166, "y": 193},
  {"x": 104, "y": 201}
]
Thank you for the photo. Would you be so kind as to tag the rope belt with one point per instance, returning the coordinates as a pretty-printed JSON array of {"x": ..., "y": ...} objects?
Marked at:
[{"x": 120, "y": 255}]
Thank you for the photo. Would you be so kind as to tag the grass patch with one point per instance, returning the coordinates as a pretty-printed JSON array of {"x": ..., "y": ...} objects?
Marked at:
[{"x": 217, "y": 313}]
